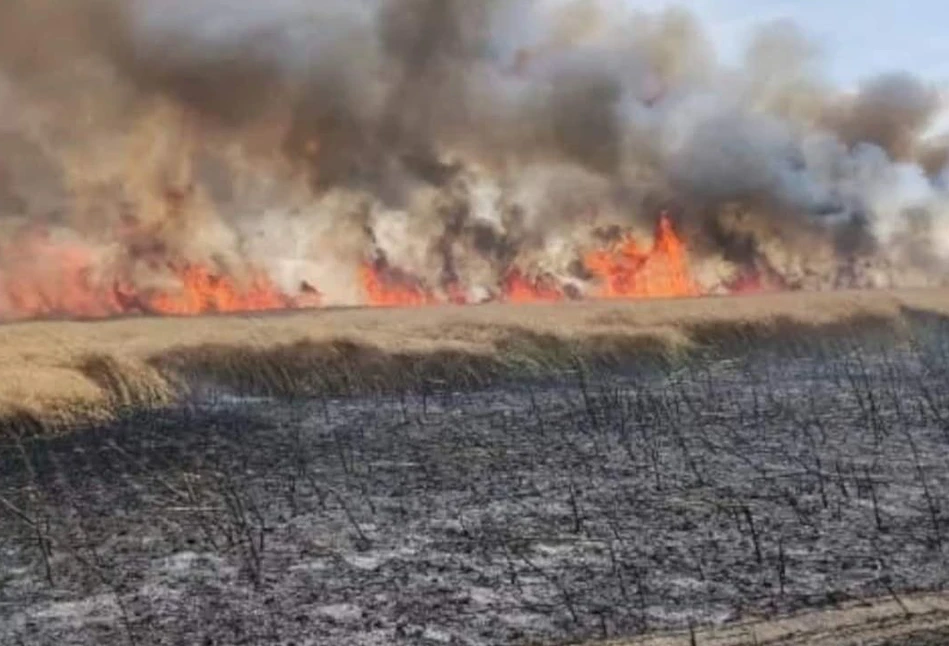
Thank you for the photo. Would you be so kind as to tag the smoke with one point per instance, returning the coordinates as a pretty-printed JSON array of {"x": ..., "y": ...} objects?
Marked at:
[
  {"x": 891, "y": 112},
  {"x": 450, "y": 140}
]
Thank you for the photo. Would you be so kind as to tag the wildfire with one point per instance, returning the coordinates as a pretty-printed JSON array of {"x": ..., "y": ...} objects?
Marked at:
[
  {"x": 45, "y": 277},
  {"x": 627, "y": 271},
  {"x": 203, "y": 291},
  {"x": 388, "y": 288},
  {"x": 52, "y": 278},
  {"x": 518, "y": 288},
  {"x": 757, "y": 279}
]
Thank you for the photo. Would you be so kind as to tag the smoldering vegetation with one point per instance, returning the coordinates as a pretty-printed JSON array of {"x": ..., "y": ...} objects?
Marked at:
[
  {"x": 454, "y": 141},
  {"x": 765, "y": 474}
]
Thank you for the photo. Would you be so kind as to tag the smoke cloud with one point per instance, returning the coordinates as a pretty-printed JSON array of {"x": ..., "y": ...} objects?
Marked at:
[{"x": 446, "y": 142}]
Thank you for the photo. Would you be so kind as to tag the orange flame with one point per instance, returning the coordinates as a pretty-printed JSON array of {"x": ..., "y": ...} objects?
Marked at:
[
  {"x": 628, "y": 272},
  {"x": 203, "y": 291},
  {"x": 518, "y": 288},
  {"x": 384, "y": 290},
  {"x": 455, "y": 293},
  {"x": 41, "y": 276}
]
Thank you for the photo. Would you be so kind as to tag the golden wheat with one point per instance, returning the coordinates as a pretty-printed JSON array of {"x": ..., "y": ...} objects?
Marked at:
[{"x": 57, "y": 373}]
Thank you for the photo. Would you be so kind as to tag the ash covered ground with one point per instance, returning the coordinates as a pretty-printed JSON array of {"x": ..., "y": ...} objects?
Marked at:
[{"x": 758, "y": 481}]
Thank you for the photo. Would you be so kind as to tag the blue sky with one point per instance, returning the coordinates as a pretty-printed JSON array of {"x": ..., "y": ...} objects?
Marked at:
[{"x": 858, "y": 38}]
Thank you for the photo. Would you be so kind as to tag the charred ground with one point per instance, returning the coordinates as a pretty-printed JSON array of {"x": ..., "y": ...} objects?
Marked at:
[{"x": 752, "y": 478}]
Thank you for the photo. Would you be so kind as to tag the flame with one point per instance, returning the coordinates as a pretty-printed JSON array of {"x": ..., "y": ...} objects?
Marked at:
[
  {"x": 203, "y": 291},
  {"x": 758, "y": 279},
  {"x": 385, "y": 287},
  {"x": 391, "y": 289},
  {"x": 455, "y": 293},
  {"x": 45, "y": 276},
  {"x": 53, "y": 278},
  {"x": 626, "y": 271},
  {"x": 518, "y": 288}
]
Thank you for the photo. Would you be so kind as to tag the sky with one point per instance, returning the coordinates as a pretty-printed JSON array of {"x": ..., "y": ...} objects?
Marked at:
[{"x": 857, "y": 38}]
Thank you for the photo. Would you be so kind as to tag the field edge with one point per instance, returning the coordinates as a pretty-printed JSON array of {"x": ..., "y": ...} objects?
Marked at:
[{"x": 64, "y": 375}]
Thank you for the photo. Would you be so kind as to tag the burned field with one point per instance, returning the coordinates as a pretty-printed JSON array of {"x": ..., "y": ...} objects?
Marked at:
[{"x": 748, "y": 479}]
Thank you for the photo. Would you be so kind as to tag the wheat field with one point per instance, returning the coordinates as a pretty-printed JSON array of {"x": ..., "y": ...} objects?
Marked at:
[{"x": 54, "y": 374}]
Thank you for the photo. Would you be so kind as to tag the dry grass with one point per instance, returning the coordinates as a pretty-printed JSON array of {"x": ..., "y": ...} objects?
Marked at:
[
  {"x": 917, "y": 619},
  {"x": 55, "y": 374}
]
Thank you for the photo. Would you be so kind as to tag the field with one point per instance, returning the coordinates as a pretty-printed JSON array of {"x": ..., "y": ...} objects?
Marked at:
[
  {"x": 662, "y": 472},
  {"x": 56, "y": 375}
]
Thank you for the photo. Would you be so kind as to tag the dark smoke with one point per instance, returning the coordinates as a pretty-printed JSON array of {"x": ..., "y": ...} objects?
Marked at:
[
  {"x": 457, "y": 137},
  {"x": 890, "y": 111}
]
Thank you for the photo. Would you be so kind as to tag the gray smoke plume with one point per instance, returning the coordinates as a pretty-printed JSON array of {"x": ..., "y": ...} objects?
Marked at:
[{"x": 453, "y": 140}]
